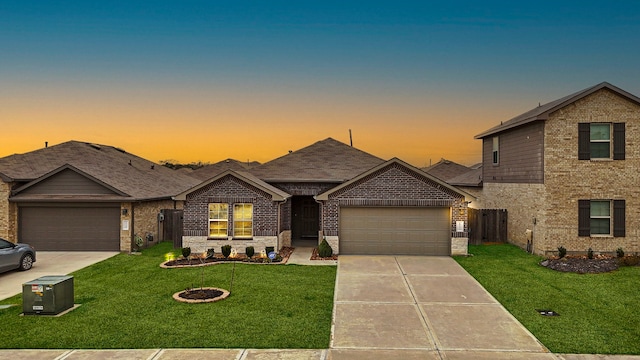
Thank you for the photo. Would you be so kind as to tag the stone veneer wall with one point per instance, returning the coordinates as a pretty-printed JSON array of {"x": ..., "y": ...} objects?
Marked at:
[
  {"x": 200, "y": 244},
  {"x": 8, "y": 214},
  {"x": 568, "y": 179},
  {"x": 144, "y": 221}
]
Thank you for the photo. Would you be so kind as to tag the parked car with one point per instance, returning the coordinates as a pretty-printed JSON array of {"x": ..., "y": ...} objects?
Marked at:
[{"x": 16, "y": 256}]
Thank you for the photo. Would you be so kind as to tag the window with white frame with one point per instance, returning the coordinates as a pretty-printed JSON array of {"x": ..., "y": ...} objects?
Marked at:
[
  {"x": 496, "y": 150},
  {"x": 218, "y": 220},
  {"x": 243, "y": 220},
  {"x": 600, "y": 139},
  {"x": 600, "y": 214}
]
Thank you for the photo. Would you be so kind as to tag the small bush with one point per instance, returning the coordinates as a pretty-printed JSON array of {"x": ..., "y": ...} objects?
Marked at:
[
  {"x": 324, "y": 249},
  {"x": 269, "y": 249},
  {"x": 211, "y": 252},
  {"x": 226, "y": 251},
  {"x": 590, "y": 253},
  {"x": 249, "y": 251},
  {"x": 186, "y": 251},
  {"x": 620, "y": 252},
  {"x": 562, "y": 252}
]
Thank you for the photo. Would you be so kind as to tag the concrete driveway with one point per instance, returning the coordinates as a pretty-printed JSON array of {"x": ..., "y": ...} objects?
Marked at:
[
  {"x": 49, "y": 263},
  {"x": 413, "y": 307}
]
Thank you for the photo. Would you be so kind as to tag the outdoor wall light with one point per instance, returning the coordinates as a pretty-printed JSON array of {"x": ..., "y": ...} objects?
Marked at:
[{"x": 125, "y": 212}]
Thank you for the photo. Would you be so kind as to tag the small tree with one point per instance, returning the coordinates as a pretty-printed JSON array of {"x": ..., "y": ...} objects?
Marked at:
[
  {"x": 324, "y": 249},
  {"x": 562, "y": 252},
  {"x": 249, "y": 250},
  {"x": 226, "y": 251}
]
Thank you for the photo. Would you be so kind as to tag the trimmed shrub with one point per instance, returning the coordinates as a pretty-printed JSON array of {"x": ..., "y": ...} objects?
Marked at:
[
  {"x": 269, "y": 249},
  {"x": 590, "y": 253},
  {"x": 324, "y": 249},
  {"x": 562, "y": 252},
  {"x": 620, "y": 252},
  {"x": 186, "y": 251},
  {"x": 226, "y": 251},
  {"x": 249, "y": 251},
  {"x": 211, "y": 252}
]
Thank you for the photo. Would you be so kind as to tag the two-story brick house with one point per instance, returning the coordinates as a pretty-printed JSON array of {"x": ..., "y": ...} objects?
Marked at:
[{"x": 567, "y": 172}]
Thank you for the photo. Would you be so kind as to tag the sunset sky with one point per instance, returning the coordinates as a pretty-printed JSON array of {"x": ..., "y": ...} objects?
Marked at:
[{"x": 250, "y": 80}]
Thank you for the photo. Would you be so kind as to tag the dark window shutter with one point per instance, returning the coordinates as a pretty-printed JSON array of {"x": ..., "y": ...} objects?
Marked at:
[
  {"x": 584, "y": 217},
  {"x": 618, "y": 218},
  {"x": 618, "y": 141},
  {"x": 584, "y": 141}
]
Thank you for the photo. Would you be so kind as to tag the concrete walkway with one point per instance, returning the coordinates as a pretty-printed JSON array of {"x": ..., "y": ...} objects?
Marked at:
[{"x": 386, "y": 307}]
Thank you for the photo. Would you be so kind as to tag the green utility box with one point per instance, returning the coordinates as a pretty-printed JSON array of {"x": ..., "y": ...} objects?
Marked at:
[{"x": 47, "y": 295}]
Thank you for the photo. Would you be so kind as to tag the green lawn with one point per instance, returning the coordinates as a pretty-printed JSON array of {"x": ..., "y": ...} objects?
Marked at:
[
  {"x": 599, "y": 313},
  {"x": 127, "y": 303}
]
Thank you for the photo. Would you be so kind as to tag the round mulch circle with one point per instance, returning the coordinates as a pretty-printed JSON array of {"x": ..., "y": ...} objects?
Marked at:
[{"x": 201, "y": 295}]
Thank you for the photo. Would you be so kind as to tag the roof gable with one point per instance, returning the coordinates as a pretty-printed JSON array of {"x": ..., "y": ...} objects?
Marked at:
[
  {"x": 276, "y": 194},
  {"x": 209, "y": 171},
  {"x": 139, "y": 178},
  {"x": 437, "y": 183},
  {"x": 542, "y": 112},
  {"x": 446, "y": 169},
  {"x": 324, "y": 161},
  {"x": 67, "y": 180}
]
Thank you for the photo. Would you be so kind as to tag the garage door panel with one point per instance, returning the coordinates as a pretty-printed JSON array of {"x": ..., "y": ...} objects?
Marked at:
[
  {"x": 398, "y": 231},
  {"x": 69, "y": 228}
]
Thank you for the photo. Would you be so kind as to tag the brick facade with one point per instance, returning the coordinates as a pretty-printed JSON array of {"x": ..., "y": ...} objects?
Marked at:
[
  {"x": 143, "y": 221},
  {"x": 551, "y": 209},
  {"x": 394, "y": 185},
  {"x": 230, "y": 190}
]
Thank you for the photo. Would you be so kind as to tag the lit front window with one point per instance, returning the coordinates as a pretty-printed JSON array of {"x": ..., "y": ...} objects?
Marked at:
[
  {"x": 600, "y": 137},
  {"x": 218, "y": 220},
  {"x": 242, "y": 220},
  {"x": 600, "y": 217}
]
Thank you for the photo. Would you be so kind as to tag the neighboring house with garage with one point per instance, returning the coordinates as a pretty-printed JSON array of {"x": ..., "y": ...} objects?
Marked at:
[
  {"x": 358, "y": 202},
  {"x": 567, "y": 172},
  {"x": 82, "y": 196}
]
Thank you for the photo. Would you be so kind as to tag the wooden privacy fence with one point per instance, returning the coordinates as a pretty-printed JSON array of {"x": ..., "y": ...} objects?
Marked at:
[
  {"x": 172, "y": 227},
  {"x": 487, "y": 225}
]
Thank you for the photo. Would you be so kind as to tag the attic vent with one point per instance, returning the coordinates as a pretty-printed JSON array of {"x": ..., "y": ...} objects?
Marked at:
[{"x": 95, "y": 146}]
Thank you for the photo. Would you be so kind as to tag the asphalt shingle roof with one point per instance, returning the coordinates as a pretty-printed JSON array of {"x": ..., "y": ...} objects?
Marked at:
[
  {"x": 542, "y": 112},
  {"x": 139, "y": 178},
  {"x": 328, "y": 160},
  {"x": 446, "y": 170},
  {"x": 209, "y": 171}
]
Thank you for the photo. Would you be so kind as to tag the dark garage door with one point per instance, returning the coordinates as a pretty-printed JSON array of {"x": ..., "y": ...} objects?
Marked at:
[
  {"x": 395, "y": 231},
  {"x": 70, "y": 228}
]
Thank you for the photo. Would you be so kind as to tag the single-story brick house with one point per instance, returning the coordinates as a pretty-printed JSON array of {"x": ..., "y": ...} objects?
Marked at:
[
  {"x": 83, "y": 196},
  {"x": 567, "y": 173},
  {"x": 359, "y": 203}
]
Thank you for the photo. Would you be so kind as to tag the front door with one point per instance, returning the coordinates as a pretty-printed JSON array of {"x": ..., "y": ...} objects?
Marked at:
[{"x": 304, "y": 218}]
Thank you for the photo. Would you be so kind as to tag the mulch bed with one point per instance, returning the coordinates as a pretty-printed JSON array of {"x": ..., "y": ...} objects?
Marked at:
[
  {"x": 283, "y": 256},
  {"x": 200, "y": 294},
  {"x": 315, "y": 256},
  {"x": 582, "y": 264}
]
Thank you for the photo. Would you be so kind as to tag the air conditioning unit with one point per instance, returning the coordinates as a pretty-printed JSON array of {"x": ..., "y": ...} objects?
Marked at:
[{"x": 47, "y": 295}]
